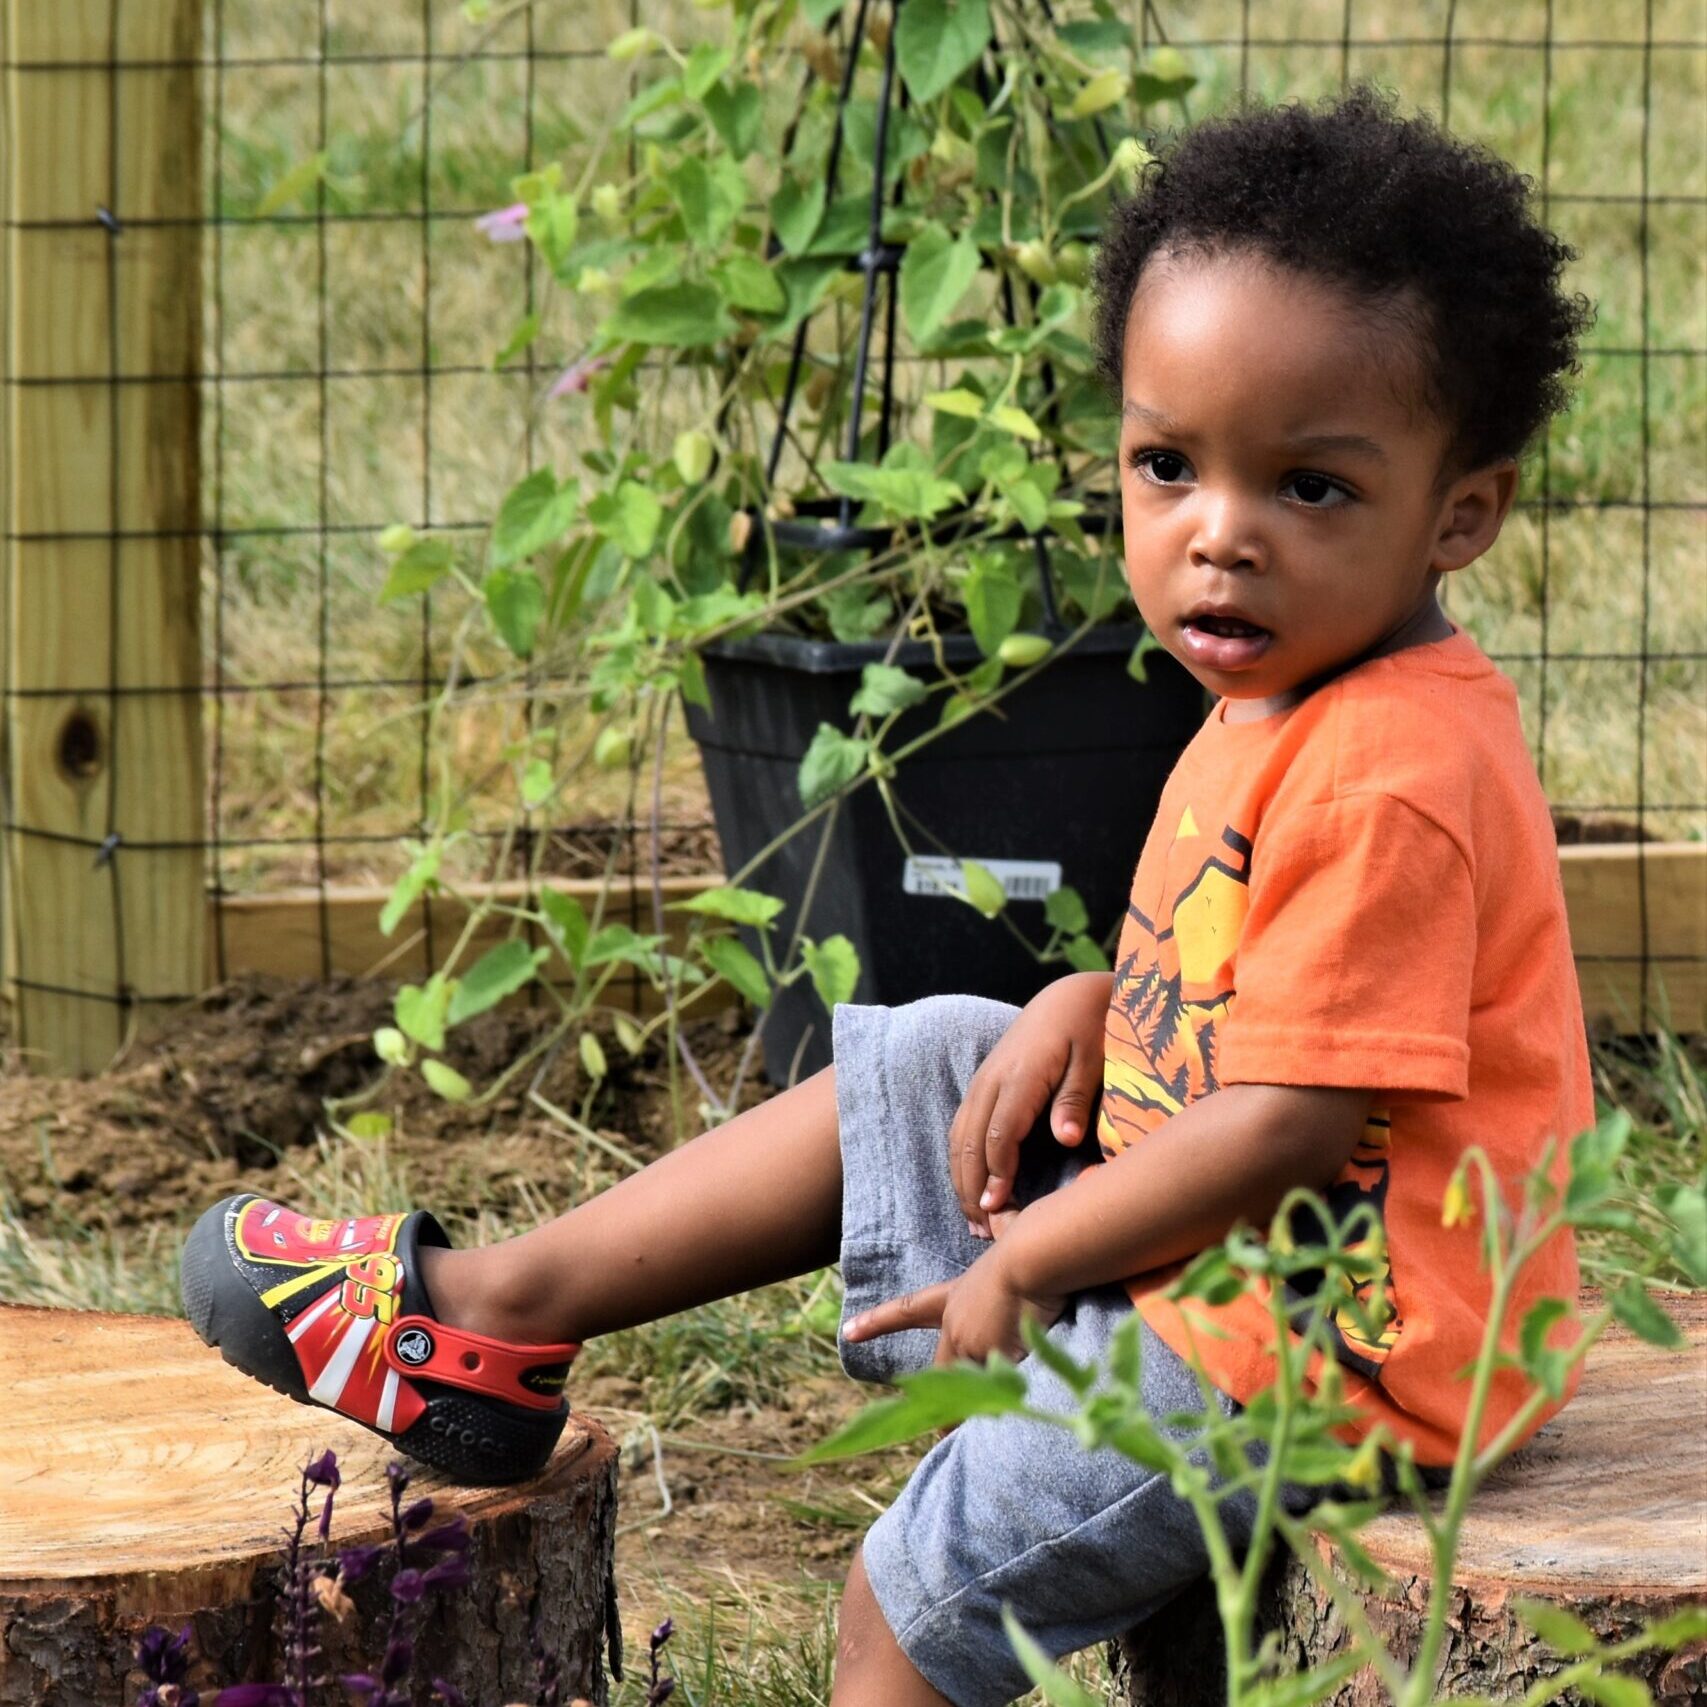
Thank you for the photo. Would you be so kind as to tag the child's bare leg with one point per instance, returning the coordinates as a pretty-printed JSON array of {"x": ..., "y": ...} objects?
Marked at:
[
  {"x": 871, "y": 1670},
  {"x": 757, "y": 1200}
]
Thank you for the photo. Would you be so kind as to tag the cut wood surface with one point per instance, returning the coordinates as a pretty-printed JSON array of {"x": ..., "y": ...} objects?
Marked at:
[
  {"x": 142, "y": 1481},
  {"x": 1603, "y": 1512}
]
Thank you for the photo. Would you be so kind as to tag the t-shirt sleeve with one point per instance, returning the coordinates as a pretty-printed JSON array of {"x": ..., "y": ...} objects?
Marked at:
[{"x": 1355, "y": 962}]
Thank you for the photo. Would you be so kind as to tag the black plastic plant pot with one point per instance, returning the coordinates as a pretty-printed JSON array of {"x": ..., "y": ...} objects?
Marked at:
[{"x": 1055, "y": 786}]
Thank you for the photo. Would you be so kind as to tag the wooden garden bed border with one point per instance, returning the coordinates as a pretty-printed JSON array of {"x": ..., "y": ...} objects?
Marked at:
[{"x": 289, "y": 934}]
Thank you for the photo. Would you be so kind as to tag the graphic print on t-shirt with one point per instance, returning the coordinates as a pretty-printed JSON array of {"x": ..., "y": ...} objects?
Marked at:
[{"x": 1175, "y": 982}]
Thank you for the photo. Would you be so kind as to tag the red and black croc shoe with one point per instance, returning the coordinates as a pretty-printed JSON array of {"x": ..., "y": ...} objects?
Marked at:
[{"x": 334, "y": 1313}]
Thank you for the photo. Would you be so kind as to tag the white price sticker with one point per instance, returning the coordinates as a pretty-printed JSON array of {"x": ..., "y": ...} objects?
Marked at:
[{"x": 1021, "y": 879}]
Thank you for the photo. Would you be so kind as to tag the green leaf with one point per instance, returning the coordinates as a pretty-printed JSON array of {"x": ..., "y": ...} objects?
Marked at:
[
  {"x": 391, "y": 1046},
  {"x": 565, "y": 923},
  {"x": 535, "y": 513},
  {"x": 747, "y": 283},
  {"x": 1677, "y": 1629},
  {"x": 831, "y": 763},
  {"x": 1102, "y": 91},
  {"x": 1685, "y": 1206},
  {"x": 681, "y": 316},
  {"x": 796, "y": 211},
  {"x": 935, "y": 273},
  {"x": 983, "y": 888},
  {"x": 735, "y": 114},
  {"x": 1015, "y": 421},
  {"x": 819, "y": 12},
  {"x": 1085, "y": 955},
  {"x": 709, "y": 197},
  {"x": 1616, "y": 1689},
  {"x": 369, "y": 1124},
  {"x": 705, "y": 65},
  {"x": 1562, "y": 1631},
  {"x": 527, "y": 329},
  {"x": 420, "y": 1011},
  {"x": 1545, "y": 1367},
  {"x": 738, "y": 906},
  {"x": 1643, "y": 1317},
  {"x": 1164, "y": 75},
  {"x": 833, "y": 965},
  {"x": 855, "y": 613},
  {"x": 446, "y": 1081},
  {"x": 993, "y": 599},
  {"x": 498, "y": 973},
  {"x": 1077, "y": 1377},
  {"x": 904, "y": 486},
  {"x": 551, "y": 224},
  {"x": 592, "y": 1054},
  {"x": 1126, "y": 1351},
  {"x": 628, "y": 517},
  {"x": 732, "y": 961},
  {"x": 1064, "y": 908},
  {"x": 1057, "y": 1688},
  {"x": 422, "y": 874},
  {"x": 515, "y": 601},
  {"x": 930, "y": 1399},
  {"x": 1136, "y": 668},
  {"x": 537, "y": 783},
  {"x": 421, "y": 567},
  {"x": 303, "y": 177},
  {"x": 884, "y": 688},
  {"x": 936, "y": 40},
  {"x": 957, "y": 402},
  {"x": 620, "y": 942}
]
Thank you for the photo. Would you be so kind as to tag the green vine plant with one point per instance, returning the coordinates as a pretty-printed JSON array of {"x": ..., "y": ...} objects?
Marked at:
[
  {"x": 691, "y": 292},
  {"x": 1306, "y": 1286}
]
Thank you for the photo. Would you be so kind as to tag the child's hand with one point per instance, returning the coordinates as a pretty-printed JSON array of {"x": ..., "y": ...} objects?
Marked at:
[
  {"x": 976, "y": 1314},
  {"x": 1053, "y": 1049}
]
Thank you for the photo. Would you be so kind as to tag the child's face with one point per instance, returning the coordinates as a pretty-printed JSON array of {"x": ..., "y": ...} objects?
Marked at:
[{"x": 1278, "y": 486}]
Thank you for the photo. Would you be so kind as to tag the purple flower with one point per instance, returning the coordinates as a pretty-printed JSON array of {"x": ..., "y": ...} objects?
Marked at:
[
  {"x": 397, "y": 1476},
  {"x": 256, "y": 1695},
  {"x": 663, "y": 1633},
  {"x": 322, "y": 1472},
  {"x": 504, "y": 224},
  {"x": 418, "y": 1514},
  {"x": 399, "y": 1655},
  {"x": 408, "y": 1587},
  {"x": 363, "y": 1684},
  {"x": 449, "y": 1537},
  {"x": 575, "y": 377},
  {"x": 354, "y": 1563},
  {"x": 450, "y": 1572}
]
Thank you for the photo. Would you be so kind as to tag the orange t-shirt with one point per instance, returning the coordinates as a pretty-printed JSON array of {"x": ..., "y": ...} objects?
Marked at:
[{"x": 1364, "y": 891}]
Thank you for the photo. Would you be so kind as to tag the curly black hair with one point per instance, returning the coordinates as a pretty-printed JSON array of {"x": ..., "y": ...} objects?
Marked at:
[{"x": 1418, "y": 226}]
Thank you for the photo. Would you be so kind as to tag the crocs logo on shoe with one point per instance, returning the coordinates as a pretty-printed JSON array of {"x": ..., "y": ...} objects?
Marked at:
[
  {"x": 414, "y": 1347},
  {"x": 458, "y": 1435}
]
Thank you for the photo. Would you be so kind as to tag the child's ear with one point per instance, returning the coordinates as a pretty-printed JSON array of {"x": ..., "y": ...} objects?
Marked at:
[{"x": 1472, "y": 512}]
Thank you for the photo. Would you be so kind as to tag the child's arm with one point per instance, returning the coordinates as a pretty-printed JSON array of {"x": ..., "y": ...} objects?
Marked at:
[{"x": 1229, "y": 1156}]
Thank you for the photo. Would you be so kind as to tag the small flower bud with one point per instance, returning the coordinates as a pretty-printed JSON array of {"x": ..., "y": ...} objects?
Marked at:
[
  {"x": 692, "y": 453},
  {"x": 607, "y": 203},
  {"x": 740, "y": 531}
]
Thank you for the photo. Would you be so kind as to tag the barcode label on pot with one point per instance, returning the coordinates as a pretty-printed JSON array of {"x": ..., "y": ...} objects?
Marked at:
[{"x": 1021, "y": 879}]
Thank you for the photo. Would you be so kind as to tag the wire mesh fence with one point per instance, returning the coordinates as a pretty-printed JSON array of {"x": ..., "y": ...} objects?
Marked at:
[{"x": 352, "y": 375}]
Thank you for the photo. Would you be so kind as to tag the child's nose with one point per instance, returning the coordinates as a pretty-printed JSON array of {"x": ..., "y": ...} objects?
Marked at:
[{"x": 1225, "y": 535}]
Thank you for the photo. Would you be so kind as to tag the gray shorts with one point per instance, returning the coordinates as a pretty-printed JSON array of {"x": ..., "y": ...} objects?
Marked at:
[{"x": 1082, "y": 1545}]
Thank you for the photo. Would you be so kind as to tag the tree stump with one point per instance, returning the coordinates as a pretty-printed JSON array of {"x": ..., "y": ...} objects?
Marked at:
[
  {"x": 143, "y": 1482},
  {"x": 1604, "y": 1512}
]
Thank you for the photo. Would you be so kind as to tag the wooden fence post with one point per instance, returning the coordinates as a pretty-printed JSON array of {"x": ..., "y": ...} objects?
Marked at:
[{"x": 100, "y": 659}]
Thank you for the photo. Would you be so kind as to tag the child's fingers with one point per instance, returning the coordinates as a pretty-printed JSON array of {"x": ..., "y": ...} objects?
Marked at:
[
  {"x": 1069, "y": 1117},
  {"x": 966, "y": 1141},
  {"x": 921, "y": 1309},
  {"x": 1018, "y": 1104}
]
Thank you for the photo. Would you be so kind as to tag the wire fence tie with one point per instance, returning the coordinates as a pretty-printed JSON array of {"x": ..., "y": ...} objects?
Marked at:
[
  {"x": 109, "y": 846},
  {"x": 109, "y": 220}
]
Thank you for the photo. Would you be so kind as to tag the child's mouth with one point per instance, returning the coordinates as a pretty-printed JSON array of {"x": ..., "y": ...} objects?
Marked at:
[{"x": 1224, "y": 642}]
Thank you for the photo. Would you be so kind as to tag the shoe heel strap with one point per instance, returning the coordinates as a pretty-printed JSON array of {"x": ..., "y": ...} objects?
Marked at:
[{"x": 529, "y": 1375}]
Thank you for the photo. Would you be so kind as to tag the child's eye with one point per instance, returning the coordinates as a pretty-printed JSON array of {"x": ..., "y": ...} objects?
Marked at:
[
  {"x": 1163, "y": 467},
  {"x": 1318, "y": 491}
]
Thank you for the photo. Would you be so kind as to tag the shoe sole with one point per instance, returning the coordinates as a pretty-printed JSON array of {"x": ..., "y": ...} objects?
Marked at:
[{"x": 459, "y": 1435}]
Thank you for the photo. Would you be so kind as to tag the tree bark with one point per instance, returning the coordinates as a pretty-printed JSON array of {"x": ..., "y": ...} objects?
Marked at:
[
  {"x": 144, "y": 1482},
  {"x": 1601, "y": 1513}
]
